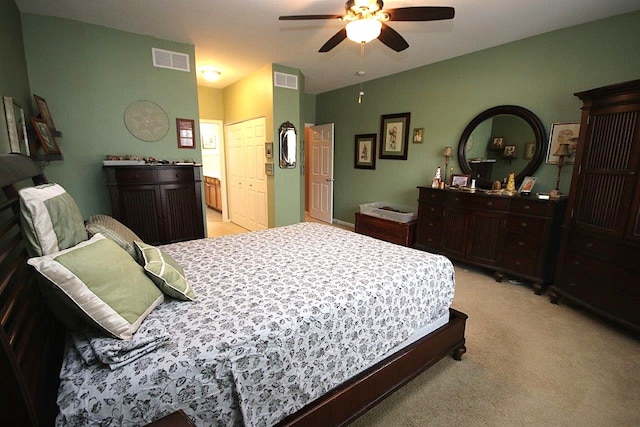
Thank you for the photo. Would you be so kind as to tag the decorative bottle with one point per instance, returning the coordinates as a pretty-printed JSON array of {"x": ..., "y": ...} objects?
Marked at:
[
  {"x": 511, "y": 182},
  {"x": 436, "y": 179}
]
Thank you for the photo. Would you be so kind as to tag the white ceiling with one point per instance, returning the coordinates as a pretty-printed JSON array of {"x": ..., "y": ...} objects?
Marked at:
[{"x": 238, "y": 37}]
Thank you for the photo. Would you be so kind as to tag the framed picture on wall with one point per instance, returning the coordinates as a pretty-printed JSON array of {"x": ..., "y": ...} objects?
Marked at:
[
  {"x": 365, "y": 151},
  {"x": 563, "y": 133},
  {"x": 394, "y": 135},
  {"x": 45, "y": 136},
  {"x": 418, "y": 134},
  {"x": 186, "y": 133}
]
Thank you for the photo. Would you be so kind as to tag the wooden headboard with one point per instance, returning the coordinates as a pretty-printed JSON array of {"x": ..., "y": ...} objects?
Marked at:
[{"x": 31, "y": 340}]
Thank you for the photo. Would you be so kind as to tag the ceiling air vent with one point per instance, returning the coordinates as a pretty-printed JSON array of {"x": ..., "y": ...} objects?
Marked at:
[
  {"x": 172, "y": 60},
  {"x": 288, "y": 81}
]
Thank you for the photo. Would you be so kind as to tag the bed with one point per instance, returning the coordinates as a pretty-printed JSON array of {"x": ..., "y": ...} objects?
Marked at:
[{"x": 299, "y": 325}]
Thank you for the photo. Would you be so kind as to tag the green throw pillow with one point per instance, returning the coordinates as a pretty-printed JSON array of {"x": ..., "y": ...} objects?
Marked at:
[
  {"x": 113, "y": 230},
  {"x": 165, "y": 272},
  {"x": 51, "y": 219},
  {"x": 106, "y": 285}
]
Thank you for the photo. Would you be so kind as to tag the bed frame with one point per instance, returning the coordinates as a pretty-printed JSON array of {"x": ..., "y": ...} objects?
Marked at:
[{"x": 31, "y": 340}]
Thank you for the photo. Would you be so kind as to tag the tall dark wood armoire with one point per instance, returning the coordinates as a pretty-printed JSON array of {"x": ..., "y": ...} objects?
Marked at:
[{"x": 599, "y": 263}]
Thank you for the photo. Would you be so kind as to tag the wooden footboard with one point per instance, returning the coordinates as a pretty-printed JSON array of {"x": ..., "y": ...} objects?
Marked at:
[{"x": 353, "y": 398}]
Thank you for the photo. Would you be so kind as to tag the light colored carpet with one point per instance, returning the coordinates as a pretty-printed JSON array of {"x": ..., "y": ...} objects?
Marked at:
[{"x": 528, "y": 363}]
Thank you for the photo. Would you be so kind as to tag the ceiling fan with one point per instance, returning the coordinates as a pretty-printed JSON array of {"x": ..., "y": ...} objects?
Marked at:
[{"x": 366, "y": 21}]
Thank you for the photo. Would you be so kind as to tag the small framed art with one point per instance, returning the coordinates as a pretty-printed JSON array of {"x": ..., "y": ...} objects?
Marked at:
[
  {"x": 418, "y": 134},
  {"x": 497, "y": 144},
  {"x": 365, "y": 151},
  {"x": 268, "y": 150},
  {"x": 186, "y": 133},
  {"x": 45, "y": 136},
  {"x": 563, "y": 133},
  {"x": 16, "y": 126},
  {"x": 394, "y": 135},
  {"x": 460, "y": 180},
  {"x": 45, "y": 113},
  {"x": 529, "y": 150},
  {"x": 509, "y": 152},
  {"x": 527, "y": 185}
]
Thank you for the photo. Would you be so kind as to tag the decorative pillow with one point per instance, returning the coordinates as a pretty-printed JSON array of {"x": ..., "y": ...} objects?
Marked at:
[
  {"x": 51, "y": 220},
  {"x": 106, "y": 285},
  {"x": 165, "y": 272},
  {"x": 113, "y": 230}
]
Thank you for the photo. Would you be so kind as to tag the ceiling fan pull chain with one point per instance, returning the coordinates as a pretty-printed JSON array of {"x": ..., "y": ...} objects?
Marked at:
[{"x": 361, "y": 72}]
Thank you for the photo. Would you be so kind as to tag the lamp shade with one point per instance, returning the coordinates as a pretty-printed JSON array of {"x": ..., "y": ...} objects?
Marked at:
[
  {"x": 447, "y": 152},
  {"x": 562, "y": 151},
  {"x": 363, "y": 30}
]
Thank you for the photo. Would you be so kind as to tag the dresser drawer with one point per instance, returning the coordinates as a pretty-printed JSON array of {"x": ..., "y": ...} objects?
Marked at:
[
  {"x": 431, "y": 194},
  {"x": 431, "y": 211},
  {"x": 135, "y": 176},
  {"x": 524, "y": 244},
  {"x": 518, "y": 263},
  {"x": 525, "y": 224},
  {"x": 621, "y": 255},
  {"x": 610, "y": 289},
  {"x": 176, "y": 175},
  {"x": 530, "y": 207},
  {"x": 456, "y": 198},
  {"x": 491, "y": 203}
]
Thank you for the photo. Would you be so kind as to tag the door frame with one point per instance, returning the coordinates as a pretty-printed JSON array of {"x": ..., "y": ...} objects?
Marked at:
[
  {"x": 222, "y": 163},
  {"x": 308, "y": 153}
]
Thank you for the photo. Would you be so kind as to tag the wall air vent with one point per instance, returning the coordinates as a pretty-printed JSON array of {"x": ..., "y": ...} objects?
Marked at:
[
  {"x": 288, "y": 81},
  {"x": 172, "y": 60}
]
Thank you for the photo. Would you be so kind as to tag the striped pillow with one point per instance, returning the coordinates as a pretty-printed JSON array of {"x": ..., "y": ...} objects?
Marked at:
[
  {"x": 113, "y": 230},
  {"x": 165, "y": 272}
]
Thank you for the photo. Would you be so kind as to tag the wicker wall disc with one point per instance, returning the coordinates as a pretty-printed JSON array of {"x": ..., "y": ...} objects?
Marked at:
[{"x": 146, "y": 121}]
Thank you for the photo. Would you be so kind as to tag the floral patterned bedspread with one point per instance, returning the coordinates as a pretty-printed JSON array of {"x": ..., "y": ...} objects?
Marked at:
[{"x": 281, "y": 317}]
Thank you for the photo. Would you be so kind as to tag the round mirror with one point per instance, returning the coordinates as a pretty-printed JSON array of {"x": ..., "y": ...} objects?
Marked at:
[{"x": 499, "y": 141}]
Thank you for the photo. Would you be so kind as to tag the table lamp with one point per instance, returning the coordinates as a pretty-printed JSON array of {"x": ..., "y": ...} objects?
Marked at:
[
  {"x": 561, "y": 152},
  {"x": 447, "y": 152}
]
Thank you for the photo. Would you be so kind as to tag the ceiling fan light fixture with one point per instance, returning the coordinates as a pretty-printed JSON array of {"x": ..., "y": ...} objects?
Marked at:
[
  {"x": 363, "y": 30},
  {"x": 211, "y": 75}
]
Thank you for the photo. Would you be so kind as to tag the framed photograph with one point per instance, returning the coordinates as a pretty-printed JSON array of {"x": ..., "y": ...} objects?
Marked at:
[
  {"x": 497, "y": 144},
  {"x": 460, "y": 180},
  {"x": 394, "y": 134},
  {"x": 16, "y": 126},
  {"x": 45, "y": 136},
  {"x": 365, "y": 152},
  {"x": 527, "y": 185},
  {"x": 209, "y": 142},
  {"x": 45, "y": 113},
  {"x": 509, "y": 152},
  {"x": 563, "y": 133},
  {"x": 186, "y": 133},
  {"x": 529, "y": 149},
  {"x": 268, "y": 150},
  {"x": 268, "y": 169},
  {"x": 418, "y": 134}
]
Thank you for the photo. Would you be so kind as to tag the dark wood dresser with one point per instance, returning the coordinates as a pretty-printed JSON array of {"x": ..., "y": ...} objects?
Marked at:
[
  {"x": 160, "y": 203},
  {"x": 599, "y": 265},
  {"x": 401, "y": 233},
  {"x": 518, "y": 236}
]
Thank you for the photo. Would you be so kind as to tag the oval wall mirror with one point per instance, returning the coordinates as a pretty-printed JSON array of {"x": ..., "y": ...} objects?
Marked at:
[
  {"x": 501, "y": 140},
  {"x": 288, "y": 144}
]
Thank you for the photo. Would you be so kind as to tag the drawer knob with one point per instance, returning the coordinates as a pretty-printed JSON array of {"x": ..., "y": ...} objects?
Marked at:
[
  {"x": 588, "y": 245},
  {"x": 520, "y": 243},
  {"x": 526, "y": 207},
  {"x": 489, "y": 203},
  {"x": 517, "y": 262},
  {"x": 577, "y": 263},
  {"x": 524, "y": 224},
  {"x": 571, "y": 284},
  {"x": 431, "y": 224}
]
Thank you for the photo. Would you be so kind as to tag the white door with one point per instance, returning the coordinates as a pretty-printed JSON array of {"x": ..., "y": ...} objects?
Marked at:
[
  {"x": 321, "y": 173},
  {"x": 247, "y": 182}
]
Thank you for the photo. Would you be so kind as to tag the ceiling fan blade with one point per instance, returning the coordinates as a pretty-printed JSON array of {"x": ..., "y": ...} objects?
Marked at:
[
  {"x": 421, "y": 13},
  {"x": 307, "y": 17},
  {"x": 392, "y": 38},
  {"x": 334, "y": 41}
]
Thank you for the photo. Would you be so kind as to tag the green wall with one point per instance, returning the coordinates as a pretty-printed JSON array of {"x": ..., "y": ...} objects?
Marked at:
[
  {"x": 89, "y": 74},
  {"x": 539, "y": 73},
  {"x": 13, "y": 67}
]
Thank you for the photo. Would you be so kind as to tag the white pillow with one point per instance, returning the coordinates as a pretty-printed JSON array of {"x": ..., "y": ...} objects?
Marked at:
[
  {"x": 104, "y": 283},
  {"x": 51, "y": 220}
]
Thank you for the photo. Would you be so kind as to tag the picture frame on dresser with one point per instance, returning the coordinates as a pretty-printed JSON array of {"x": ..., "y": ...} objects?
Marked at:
[
  {"x": 45, "y": 112},
  {"x": 460, "y": 180},
  {"x": 365, "y": 151}
]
